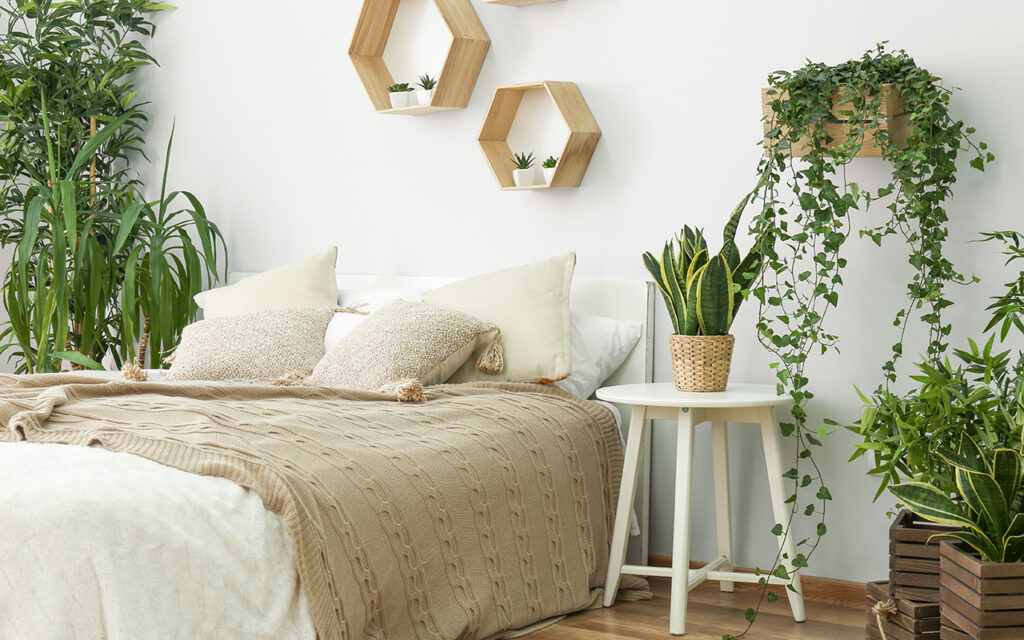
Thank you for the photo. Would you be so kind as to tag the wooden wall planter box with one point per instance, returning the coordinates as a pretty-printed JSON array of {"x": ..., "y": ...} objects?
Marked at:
[
  {"x": 913, "y": 560},
  {"x": 912, "y": 620},
  {"x": 980, "y": 600},
  {"x": 896, "y": 120}
]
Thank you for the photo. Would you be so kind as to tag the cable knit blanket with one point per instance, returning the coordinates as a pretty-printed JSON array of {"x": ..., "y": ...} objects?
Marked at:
[{"x": 485, "y": 509}]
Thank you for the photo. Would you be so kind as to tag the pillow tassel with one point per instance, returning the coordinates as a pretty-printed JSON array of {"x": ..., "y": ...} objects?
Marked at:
[
  {"x": 405, "y": 390},
  {"x": 492, "y": 360}
]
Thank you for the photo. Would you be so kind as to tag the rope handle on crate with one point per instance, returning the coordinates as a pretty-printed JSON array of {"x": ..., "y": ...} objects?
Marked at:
[{"x": 886, "y": 609}]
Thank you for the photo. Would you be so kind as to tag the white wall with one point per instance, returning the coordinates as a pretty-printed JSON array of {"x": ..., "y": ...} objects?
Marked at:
[{"x": 278, "y": 138}]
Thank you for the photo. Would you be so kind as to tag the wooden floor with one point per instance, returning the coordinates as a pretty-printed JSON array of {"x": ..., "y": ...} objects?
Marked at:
[{"x": 712, "y": 614}]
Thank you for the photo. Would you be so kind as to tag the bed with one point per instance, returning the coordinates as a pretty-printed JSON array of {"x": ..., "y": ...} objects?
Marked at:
[{"x": 96, "y": 542}]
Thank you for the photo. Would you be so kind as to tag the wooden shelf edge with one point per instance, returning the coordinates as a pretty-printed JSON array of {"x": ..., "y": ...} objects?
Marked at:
[
  {"x": 518, "y": 3},
  {"x": 417, "y": 110}
]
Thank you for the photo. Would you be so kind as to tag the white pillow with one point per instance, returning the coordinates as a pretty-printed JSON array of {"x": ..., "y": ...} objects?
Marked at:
[
  {"x": 599, "y": 346},
  {"x": 310, "y": 282},
  {"x": 530, "y": 305},
  {"x": 343, "y": 323}
]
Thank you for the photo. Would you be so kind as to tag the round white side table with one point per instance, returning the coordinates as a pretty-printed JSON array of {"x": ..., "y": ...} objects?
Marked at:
[{"x": 751, "y": 403}]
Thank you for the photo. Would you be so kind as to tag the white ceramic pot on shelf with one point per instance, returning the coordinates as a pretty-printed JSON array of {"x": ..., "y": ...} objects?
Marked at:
[
  {"x": 523, "y": 177},
  {"x": 424, "y": 96},
  {"x": 399, "y": 99},
  {"x": 549, "y": 172}
]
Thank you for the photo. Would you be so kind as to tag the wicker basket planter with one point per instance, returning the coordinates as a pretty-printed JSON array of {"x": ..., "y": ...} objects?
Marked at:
[
  {"x": 701, "y": 363},
  {"x": 911, "y": 621},
  {"x": 980, "y": 600},
  {"x": 913, "y": 560}
]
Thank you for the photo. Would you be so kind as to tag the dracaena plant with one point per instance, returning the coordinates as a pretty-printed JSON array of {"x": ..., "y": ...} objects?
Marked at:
[
  {"x": 703, "y": 292},
  {"x": 523, "y": 160},
  {"x": 988, "y": 499}
]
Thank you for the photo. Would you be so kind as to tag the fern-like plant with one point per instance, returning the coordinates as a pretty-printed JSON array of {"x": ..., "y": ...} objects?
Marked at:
[{"x": 703, "y": 292}]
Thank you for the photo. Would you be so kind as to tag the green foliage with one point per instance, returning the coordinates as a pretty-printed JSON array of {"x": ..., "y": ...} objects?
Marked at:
[
  {"x": 400, "y": 87},
  {"x": 426, "y": 82},
  {"x": 522, "y": 160},
  {"x": 550, "y": 163},
  {"x": 806, "y": 219},
  {"x": 65, "y": 69},
  {"x": 981, "y": 396},
  {"x": 703, "y": 293},
  {"x": 988, "y": 505}
]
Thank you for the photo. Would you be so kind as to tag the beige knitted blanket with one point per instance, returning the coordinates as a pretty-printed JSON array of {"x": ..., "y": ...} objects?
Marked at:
[{"x": 482, "y": 510}]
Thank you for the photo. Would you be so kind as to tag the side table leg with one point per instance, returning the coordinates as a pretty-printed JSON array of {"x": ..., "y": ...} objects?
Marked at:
[
  {"x": 720, "y": 447},
  {"x": 681, "y": 524},
  {"x": 771, "y": 439},
  {"x": 627, "y": 492}
]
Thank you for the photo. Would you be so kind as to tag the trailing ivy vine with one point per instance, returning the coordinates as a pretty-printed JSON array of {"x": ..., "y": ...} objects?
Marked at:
[{"x": 806, "y": 219}]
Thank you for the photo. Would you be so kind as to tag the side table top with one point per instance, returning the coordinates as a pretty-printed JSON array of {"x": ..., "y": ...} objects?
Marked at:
[{"x": 665, "y": 394}]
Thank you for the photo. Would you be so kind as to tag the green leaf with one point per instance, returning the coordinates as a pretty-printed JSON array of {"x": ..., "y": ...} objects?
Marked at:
[
  {"x": 714, "y": 298},
  {"x": 930, "y": 503},
  {"x": 78, "y": 358}
]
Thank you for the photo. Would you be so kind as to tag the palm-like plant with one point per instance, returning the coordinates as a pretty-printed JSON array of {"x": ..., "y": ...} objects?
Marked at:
[
  {"x": 988, "y": 504},
  {"x": 164, "y": 269},
  {"x": 703, "y": 292}
]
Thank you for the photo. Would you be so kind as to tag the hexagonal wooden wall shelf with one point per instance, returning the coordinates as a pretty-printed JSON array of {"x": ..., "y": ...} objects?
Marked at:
[
  {"x": 455, "y": 83},
  {"x": 579, "y": 145},
  {"x": 518, "y": 3}
]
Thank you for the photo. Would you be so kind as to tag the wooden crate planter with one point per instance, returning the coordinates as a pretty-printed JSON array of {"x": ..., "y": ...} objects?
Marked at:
[
  {"x": 980, "y": 600},
  {"x": 912, "y": 620},
  {"x": 913, "y": 560},
  {"x": 895, "y": 120}
]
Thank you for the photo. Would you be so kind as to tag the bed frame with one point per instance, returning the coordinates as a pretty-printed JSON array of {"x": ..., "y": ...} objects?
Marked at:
[{"x": 625, "y": 300}]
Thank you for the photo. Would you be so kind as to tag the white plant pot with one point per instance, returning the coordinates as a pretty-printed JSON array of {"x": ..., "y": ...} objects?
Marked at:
[
  {"x": 548, "y": 174},
  {"x": 424, "y": 96},
  {"x": 523, "y": 177},
  {"x": 399, "y": 99}
]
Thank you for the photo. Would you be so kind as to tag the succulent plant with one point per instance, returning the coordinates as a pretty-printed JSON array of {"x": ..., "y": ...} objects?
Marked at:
[
  {"x": 426, "y": 82},
  {"x": 522, "y": 160},
  {"x": 550, "y": 162},
  {"x": 400, "y": 87},
  {"x": 702, "y": 292}
]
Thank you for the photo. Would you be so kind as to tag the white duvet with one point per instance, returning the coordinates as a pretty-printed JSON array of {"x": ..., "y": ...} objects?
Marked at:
[{"x": 97, "y": 544}]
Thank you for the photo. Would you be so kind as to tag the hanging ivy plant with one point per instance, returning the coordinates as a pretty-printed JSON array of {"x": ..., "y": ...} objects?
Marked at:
[{"x": 806, "y": 220}]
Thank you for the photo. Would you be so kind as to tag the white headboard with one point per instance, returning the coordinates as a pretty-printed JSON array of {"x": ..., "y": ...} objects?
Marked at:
[{"x": 624, "y": 300}]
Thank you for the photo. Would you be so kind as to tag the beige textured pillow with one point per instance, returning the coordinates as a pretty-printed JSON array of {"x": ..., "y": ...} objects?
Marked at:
[
  {"x": 310, "y": 282},
  {"x": 402, "y": 341},
  {"x": 531, "y": 306},
  {"x": 258, "y": 346}
]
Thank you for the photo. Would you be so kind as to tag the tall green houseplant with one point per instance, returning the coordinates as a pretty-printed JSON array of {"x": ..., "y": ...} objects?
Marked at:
[{"x": 72, "y": 129}]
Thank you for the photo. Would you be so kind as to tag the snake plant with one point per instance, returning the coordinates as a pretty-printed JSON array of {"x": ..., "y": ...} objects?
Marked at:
[
  {"x": 988, "y": 500},
  {"x": 703, "y": 292}
]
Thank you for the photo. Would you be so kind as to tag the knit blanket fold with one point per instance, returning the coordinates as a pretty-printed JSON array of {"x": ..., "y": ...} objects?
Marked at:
[{"x": 484, "y": 509}]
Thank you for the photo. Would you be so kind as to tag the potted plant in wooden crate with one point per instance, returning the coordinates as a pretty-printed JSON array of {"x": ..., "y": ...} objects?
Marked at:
[
  {"x": 981, "y": 585},
  {"x": 977, "y": 393},
  {"x": 703, "y": 293}
]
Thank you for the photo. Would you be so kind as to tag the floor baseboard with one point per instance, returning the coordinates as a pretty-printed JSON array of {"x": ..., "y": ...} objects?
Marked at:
[{"x": 843, "y": 593}]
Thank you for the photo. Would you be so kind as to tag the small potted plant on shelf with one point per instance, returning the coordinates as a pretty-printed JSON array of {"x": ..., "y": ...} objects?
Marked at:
[
  {"x": 425, "y": 94},
  {"x": 523, "y": 173},
  {"x": 549, "y": 168},
  {"x": 703, "y": 293},
  {"x": 399, "y": 94}
]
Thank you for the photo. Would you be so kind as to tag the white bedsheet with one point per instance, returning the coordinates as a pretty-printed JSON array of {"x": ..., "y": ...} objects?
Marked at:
[{"x": 97, "y": 544}]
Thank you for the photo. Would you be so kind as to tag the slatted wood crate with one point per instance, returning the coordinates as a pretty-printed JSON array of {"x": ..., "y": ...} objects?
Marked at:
[
  {"x": 913, "y": 560},
  {"x": 980, "y": 600},
  {"x": 912, "y": 620}
]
